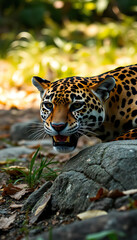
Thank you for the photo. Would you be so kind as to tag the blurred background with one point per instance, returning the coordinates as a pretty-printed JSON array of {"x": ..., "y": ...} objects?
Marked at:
[{"x": 57, "y": 39}]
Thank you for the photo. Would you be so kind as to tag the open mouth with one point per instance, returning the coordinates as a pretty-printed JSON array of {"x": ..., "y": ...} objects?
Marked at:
[{"x": 65, "y": 143}]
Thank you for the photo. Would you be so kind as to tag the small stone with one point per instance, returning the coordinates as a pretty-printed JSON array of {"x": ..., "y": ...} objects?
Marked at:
[
  {"x": 25, "y": 130},
  {"x": 14, "y": 152},
  {"x": 34, "y": 143}
]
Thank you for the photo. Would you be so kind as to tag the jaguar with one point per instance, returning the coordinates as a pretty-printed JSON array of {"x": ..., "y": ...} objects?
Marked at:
[{"x": 103, "y": 105}]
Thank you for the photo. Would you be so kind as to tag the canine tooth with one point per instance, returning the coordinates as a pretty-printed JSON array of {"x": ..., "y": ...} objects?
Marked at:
[{"x": 67, "y": 140}]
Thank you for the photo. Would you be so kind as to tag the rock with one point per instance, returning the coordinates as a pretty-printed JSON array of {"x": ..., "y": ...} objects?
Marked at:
[
  {"x": 34, "y": 197},
  {"x": 111, "y": 165},
  {"x": 102, "y": 204},
  {"x": 14, "y": 152},
  {"x": 122, "y": 201},
  {"x": 124, "y": 222},
  {"x": 106, "y": 165},
  {"x": 34, "y": 143},
  {"x": 26, "y": 130}
]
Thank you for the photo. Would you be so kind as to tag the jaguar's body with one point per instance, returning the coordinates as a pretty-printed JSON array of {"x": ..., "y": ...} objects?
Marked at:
[{"x": 105, "y": 105}]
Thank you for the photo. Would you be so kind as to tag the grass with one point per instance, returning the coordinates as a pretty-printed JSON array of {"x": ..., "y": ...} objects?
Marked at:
[
  {"x": 36, "y": 172},
  {"x": 110, "y": 234}
]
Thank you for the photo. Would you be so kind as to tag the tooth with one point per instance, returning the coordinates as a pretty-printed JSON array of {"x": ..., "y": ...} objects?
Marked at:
[
  {"x": 55, "y": 139},
  {"x": 67, "y": 140}
]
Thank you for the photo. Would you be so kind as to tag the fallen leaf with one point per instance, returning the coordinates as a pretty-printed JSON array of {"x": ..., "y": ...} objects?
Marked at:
[
  {"x": 91, "y": 214},
  {"x": 130, "y": 192},
  {"x": 5, "y": 127},
  {"x": 16, "y": 170},
  {"x": 7, "y": 161},
  {"x": 22, "y": 185},
  {"x": 102, "y": 192},
  {"x": 15, "y": 191},
  {"x": 4, "y": 135},
  {"x": 19, "y": 194},
  {"x": 115, "y": 193},
  {"x": 40, "y": 209},
  {"x": 6, "y": 222},
  {"x": 2, "y": 200},
  {"x": 123, "y": 208},
  {"x": 10, "y": 189},
  {"x": 14, "y": 205}
]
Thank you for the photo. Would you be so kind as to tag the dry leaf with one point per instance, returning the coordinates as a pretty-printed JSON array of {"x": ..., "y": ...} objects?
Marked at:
[
  {"x": 102, "y": 192},
  {"x": 16, "y": 170},
  {"x": 19, "y": 194},
  {"x": 40, "y": 208},
  {"x": 14, "y": 205},
  {"x": 15, "y": 192},
  {"x": 4, "y": 135},
  {"x": 3, "y": 162},
  {"x": 2, "y": 200},
  {"x": 6, "y": 222},
  {"x": 123, "y": 208},
  {"x": 91, "y": 214},
  {"x": 115, "y": 193},
  {"x": 22, "y": 185},
  {"x": 10, "y": 189},
  {"x": 130, "y": 192}
]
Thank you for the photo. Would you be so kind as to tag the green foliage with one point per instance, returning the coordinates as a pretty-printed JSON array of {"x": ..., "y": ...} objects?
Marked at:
[
  {"x": 69, "y": 52},
  {"x": 50, "y": 234},
  {"x": 110, "y": 234},
  {"x": 36, "y": 172},
  {"x": 56, "y": 39}
]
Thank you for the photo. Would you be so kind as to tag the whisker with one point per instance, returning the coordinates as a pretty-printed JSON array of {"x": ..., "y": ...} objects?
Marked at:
[
  {"x": 84, "y": 135},
  {"x": 37, "y": 136},
  {"x": 36, "y": 133},
  {"x": 87, "y": 131},
  {"x": 98, "y": 122}
]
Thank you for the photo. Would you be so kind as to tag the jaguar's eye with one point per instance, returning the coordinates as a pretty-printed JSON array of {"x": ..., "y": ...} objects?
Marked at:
[
  {"x": 48, "y": 105},
  {"x": 76, "y": 106}
]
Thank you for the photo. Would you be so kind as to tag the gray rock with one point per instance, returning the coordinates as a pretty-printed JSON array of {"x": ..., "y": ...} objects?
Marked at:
[
  {"x": 26, "y": 130},
  {"x": 122, "y": 201},
  {"x": 34, "y": 197},
  {"x": 120, "y": 222},
  {"x": 111, "y": 165},
  {"x": 34, "y": 143},
  {"x": 103, "y": 204},
  {"x": 14, "y": 152}
]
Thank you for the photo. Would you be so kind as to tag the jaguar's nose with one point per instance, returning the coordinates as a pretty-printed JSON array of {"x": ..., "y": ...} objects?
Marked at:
[{"x": 58, "y": 126}]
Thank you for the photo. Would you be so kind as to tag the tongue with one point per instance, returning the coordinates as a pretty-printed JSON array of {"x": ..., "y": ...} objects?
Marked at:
[{"x": 61, "y": 138}]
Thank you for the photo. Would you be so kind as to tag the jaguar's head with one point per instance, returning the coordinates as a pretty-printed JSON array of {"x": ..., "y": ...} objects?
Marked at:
[{"x": 72, "y": 107}]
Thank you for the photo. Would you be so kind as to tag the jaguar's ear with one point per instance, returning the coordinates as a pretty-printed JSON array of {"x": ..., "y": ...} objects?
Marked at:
[
  {"x": 102, "y": 90},
  {"x": 41, "y": 84}
]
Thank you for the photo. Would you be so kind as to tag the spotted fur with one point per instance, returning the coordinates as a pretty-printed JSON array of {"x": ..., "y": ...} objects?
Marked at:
[{"x": 104, "y": 105}]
